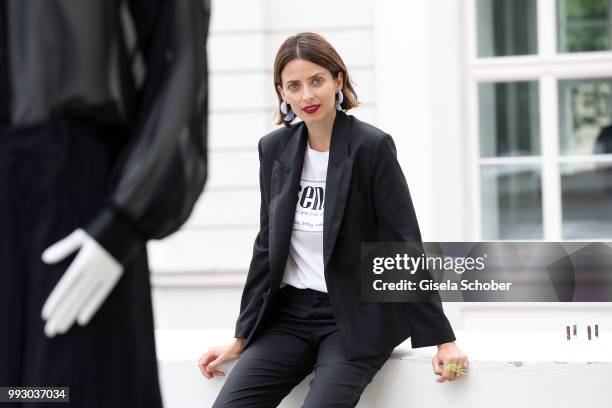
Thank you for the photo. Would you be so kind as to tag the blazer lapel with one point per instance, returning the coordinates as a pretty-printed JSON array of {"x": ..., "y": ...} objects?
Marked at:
[
  {"x": 284, "y": 188},
  {"x": 339, "y": 172}
]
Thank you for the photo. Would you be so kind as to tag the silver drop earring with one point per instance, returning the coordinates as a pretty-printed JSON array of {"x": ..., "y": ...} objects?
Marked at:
[
  {"x": 289, "y": 115},
  {"x": 339, "y": 101}
]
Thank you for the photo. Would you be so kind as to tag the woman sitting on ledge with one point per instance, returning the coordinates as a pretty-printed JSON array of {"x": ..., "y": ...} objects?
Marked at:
[{"x": 327, "y": 184}]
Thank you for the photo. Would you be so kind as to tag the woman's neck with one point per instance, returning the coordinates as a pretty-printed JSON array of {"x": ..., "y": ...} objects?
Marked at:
[{"x": 320, "y": 133}]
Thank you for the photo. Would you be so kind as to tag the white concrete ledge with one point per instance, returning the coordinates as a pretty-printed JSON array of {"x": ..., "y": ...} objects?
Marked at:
[{"x": 507, "y": 369}]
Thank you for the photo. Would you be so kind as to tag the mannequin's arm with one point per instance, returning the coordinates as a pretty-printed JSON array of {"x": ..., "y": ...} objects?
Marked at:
[{"x": 163, "y": 169}]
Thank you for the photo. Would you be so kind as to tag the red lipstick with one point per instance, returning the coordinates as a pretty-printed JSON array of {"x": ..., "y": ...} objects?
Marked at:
[{"x": 311, "y": 109}]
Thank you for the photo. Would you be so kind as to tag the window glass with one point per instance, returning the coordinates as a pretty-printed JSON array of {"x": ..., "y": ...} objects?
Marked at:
[
  {"x": 584, "y": 25},
  {"x": 509, "y": 122},
  {"x": 511, "y": 200},
  {"x": 506, "y": 27},
  {"x": 586, "y": 191},
  {"x": 585, "y": 116}
]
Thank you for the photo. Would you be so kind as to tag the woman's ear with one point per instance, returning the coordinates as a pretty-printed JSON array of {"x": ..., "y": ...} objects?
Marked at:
[
  {"x": 339, "y": 82},
  {"x": 280, "y": 91}
]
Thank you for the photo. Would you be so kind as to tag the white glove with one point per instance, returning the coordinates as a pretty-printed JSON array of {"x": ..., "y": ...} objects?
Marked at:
[{"x": 84, "y": 286}]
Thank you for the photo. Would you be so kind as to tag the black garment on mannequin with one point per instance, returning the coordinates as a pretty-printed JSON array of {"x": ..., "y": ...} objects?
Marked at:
[{"x": 53, "y": 178}]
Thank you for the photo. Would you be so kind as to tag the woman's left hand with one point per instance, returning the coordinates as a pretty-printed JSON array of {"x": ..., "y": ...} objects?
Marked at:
[{"x": 449, "y": 354}]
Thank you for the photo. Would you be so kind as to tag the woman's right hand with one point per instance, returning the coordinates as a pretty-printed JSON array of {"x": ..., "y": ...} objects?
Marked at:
[{"x": 215, "y": 356}]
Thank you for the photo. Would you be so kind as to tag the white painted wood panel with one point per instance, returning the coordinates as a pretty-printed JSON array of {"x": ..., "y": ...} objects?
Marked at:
[
  {"x": 203, "y": 249},
  {"x": 535, "y": 316},
  {"x": 240, "y": 90},
  {"x": 237, "y": 52},
  {"x": 227, "y": 209},
  {"x": 238, "y": 130},
  {"x": 236, "y": 15},
  {"x": 297, "y": 15},
  {"x": 233, "y": 170},
  {"x": 354, "y": 44}
]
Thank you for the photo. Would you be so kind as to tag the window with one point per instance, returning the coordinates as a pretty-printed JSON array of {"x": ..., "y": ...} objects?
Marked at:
[{"x": 540, "y": 118}]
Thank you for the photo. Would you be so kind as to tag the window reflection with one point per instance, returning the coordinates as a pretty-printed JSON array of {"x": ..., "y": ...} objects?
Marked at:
[
  {"x": 584, "y": 25},
  {"x": 506, "y": 27},
  {"x": 585, "y": 116},
  {"x": 587, "y": 200},
  {"x": 509, "y": 119},
  {"x": 511, "y": 200},
  {"x": 603, "y": 143}
]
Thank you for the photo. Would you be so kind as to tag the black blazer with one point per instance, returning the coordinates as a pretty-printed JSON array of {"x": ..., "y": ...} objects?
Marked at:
[{"x": 366, "y": 200}]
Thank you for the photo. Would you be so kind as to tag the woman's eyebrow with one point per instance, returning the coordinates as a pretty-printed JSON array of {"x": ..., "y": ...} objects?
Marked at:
[{"x": 296, "y": 80}]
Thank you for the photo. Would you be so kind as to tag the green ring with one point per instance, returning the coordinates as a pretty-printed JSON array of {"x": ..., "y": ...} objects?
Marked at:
[{"x": 455, "y": 369}]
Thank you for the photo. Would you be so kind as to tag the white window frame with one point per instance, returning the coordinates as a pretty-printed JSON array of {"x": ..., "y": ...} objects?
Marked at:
[{"x": 547, "y": 67}]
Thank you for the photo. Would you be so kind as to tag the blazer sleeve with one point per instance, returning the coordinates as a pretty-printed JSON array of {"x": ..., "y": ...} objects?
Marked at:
[
  {"x": 163, "y": 168},
  {"x": 258, "y": 277},
  {"x": 398, "y": 223}
]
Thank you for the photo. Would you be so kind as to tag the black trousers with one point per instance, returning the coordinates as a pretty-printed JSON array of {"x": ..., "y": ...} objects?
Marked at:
[
  {"x": 299, "y": 336},
  {"x": 54, "y": 177}
]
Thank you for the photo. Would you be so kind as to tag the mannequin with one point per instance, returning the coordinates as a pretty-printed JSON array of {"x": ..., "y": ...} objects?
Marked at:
[{"x": 103, "y": 147}]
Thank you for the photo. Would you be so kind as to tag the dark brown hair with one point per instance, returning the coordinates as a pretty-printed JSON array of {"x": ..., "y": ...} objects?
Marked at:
[{"x": 316, "y": 49}]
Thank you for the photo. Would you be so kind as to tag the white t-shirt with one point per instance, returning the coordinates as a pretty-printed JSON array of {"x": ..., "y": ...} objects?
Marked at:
[{"x": 304, "y": 268}]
